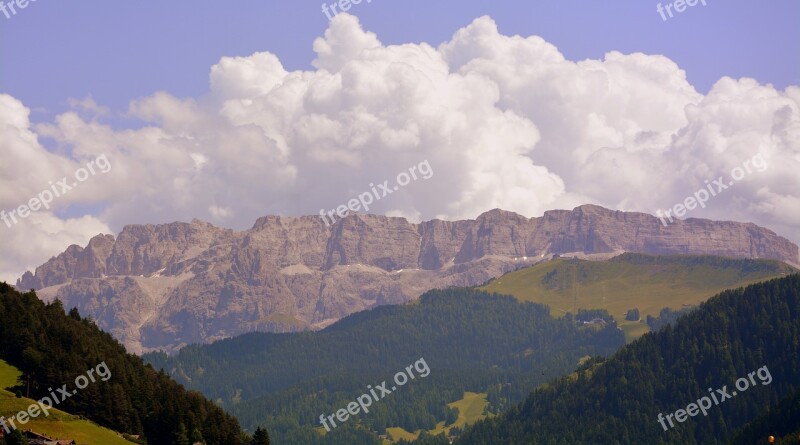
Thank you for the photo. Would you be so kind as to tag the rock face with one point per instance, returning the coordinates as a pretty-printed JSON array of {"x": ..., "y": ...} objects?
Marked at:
[{"x": 165, "y": 286}]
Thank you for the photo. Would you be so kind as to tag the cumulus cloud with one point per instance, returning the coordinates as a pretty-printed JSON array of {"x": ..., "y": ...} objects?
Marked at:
[
  {"x": 42, "y": 235},
  {"x": 504, "y": 121}
]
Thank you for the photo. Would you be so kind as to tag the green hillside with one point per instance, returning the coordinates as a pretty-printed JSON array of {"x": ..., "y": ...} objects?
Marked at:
[
  {"x": 472, "y": 341},
  {"x": 470, "y": 410},
  {"x": 58, "y": 424},
  {"x": 718, "y": 346},
  {"x": 646, "y": 282},
  {"x": 8, "y": 375},
  {"x": 52, "y": 349}
]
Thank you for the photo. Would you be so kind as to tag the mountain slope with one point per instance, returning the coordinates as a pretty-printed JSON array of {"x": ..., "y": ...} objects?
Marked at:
[
  {"x": 645, "y": 282},
  {"x": 470, "y": 340},
  {"x": 165, "y": 286},
  {"x": 781, "y": 421},
  {"x": 52, "y": 349},
  {"x": 618, "y": 401},
  {"x": 58, "y": 424}
]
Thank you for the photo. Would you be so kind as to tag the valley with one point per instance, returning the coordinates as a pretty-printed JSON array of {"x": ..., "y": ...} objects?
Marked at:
[{"x": 451, "y": 327}]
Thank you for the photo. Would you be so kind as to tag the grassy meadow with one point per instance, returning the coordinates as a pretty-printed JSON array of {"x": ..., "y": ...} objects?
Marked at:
[{"x": 58, "y": 425}]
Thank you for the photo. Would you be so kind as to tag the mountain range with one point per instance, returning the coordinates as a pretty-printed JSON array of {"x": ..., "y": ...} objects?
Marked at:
[{"x": 161, "y": 287}]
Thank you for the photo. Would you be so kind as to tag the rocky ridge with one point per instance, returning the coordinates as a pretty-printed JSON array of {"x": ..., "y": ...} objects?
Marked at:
[{"x": 168, "y": 285}]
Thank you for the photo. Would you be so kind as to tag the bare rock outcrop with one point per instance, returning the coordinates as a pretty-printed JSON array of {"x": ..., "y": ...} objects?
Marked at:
[{"x": 165, "y": 286}]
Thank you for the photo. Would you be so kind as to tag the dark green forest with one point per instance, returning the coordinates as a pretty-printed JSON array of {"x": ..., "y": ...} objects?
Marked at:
[
  {"x": 666, "y": 317},
  {"x": 617, "y": 401},
  {"x": 51, "y": 348},
  {"x": 781, "y": 421},
  {"x": 472, "y": 341}
]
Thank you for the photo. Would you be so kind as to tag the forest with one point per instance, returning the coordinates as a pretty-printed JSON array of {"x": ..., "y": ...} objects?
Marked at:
[
  {"x": 52, "y": 347},
  {"x": 472, "y": 341},
  {"x": 617, "y": 401}
]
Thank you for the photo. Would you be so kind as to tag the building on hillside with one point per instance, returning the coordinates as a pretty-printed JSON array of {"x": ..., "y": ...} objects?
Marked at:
[{"x": 41, "y": 439}]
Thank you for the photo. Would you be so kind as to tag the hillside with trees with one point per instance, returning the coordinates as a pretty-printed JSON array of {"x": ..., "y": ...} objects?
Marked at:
[
  {"x": 471, "y": 340},
  {"x": 617, "y": 401},
  {"x": 781, "y": 421},
  {"x": 51, "y": 348}
]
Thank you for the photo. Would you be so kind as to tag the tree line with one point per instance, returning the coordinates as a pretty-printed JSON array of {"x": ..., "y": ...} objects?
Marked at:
[{"x": 51, "y": 348}]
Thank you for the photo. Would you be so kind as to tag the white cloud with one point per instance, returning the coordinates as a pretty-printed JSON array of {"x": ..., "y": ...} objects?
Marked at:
[
  {"x": 220, "y": 213},
  {"x": 40, "y": 236},
  {"x": 504, "y": 121}
]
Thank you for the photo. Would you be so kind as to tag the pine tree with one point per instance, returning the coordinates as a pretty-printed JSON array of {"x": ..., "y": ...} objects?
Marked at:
[
  {"x": 261, "y": 437},
  {"x": 74, "y": 314},
  {"x": 181, "y": 437},
  {"x": 197, "y": 436}
]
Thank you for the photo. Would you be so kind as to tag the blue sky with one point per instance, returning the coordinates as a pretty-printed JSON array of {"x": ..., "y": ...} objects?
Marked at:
[
  {"x": 229, "y": 111},
  {"x": 117, "y": 51}
]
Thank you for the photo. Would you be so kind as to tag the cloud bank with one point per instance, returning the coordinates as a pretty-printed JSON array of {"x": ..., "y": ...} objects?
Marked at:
[{"x": 504, "y": 121}]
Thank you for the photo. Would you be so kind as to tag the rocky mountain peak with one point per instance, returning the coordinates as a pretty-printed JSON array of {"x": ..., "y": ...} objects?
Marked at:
[{"x": 179, "y": 283}]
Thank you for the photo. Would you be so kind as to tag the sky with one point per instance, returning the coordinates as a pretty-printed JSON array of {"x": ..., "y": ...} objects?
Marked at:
[{"x": 168, "y": 111}]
